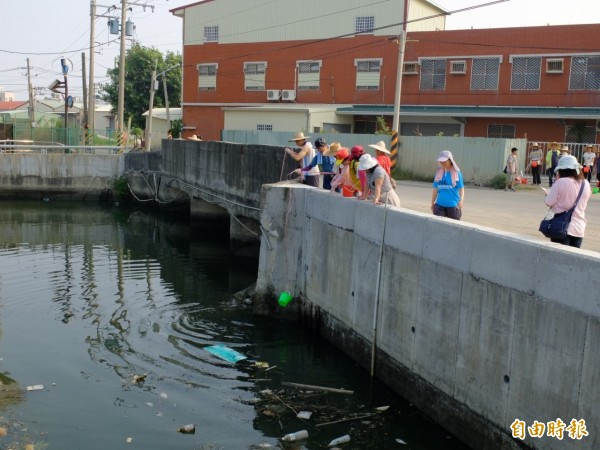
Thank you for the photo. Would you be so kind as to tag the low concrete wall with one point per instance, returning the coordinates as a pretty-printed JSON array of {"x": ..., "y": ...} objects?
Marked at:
[
  {"x": 58, "y": 176},
  {"x": 474, "y": 326}
]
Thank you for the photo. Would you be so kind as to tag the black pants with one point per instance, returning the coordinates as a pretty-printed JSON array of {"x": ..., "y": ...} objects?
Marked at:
[{"x": 535, "y": 172}]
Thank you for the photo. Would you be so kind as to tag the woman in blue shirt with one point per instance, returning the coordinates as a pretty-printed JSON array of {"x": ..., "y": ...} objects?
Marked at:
[{"x": 448, "y": 188}]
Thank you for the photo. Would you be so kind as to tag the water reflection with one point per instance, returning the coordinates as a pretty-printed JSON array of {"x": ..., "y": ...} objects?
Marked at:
[{"x": 90, "y": 298}]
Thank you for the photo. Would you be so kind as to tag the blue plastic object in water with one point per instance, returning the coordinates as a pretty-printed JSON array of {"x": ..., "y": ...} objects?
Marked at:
[{"x": 226, "y": 353}]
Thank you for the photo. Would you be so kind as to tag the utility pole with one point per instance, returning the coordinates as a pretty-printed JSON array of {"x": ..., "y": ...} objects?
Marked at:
[
  {"x": 396, "y": 119},
  {"x": 65, "y": 70},
  {"x": 84, "y": 85},
  {"x": 91, "y": 113},
  {"x": 167, "y": 102},
  {"x": 31, "y": 101},
  {"x": 149, "y": 124},
  {"x": 121, "y": 99}
]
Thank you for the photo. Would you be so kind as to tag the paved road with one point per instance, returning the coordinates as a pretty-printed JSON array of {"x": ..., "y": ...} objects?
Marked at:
[{"x": 516, "y": 212}]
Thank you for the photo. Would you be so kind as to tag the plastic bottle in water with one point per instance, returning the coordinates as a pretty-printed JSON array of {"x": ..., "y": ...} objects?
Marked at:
[
  {"x": 341, "y": 440},
  {"x": 302, "y": 434}
]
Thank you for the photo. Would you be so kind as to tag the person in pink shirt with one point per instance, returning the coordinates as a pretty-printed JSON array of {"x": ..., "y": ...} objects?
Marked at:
[{"x": 563, "y": 195}]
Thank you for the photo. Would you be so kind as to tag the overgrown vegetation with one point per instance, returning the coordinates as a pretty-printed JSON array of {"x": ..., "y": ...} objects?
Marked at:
[
  {"x": 382, "y": 126},
  {"x": 498, "y": 182},
  {"x": 121, "y": 189}
]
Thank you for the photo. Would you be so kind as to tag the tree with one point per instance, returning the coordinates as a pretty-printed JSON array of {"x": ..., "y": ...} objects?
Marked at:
[{"x": 139, "y": 64}]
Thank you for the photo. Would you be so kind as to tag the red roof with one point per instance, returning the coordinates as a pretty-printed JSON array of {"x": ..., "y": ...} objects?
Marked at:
[{"x": 11, "y": 106}]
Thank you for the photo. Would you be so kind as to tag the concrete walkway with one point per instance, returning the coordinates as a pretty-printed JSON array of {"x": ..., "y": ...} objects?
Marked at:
[{"x": 516, "y": 212}]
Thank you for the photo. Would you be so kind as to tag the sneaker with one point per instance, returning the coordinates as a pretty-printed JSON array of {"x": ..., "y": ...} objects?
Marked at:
[{"x": 512, "y": 190}]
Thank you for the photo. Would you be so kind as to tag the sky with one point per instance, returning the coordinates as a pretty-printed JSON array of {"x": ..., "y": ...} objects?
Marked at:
[{"x": 33, "y": 29}]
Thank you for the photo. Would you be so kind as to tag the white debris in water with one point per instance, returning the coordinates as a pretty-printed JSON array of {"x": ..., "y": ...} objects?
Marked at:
[
  {"x": 163, "y": 395},
  {"x": 35, "y": 387}
]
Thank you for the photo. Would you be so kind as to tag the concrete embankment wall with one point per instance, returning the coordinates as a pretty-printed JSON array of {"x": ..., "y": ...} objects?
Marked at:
[
  {"x": 58, "y": 176},
  {"x": 476, "y": 327}
]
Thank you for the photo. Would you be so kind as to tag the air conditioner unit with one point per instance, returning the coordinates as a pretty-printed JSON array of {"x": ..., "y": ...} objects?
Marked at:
[
  {"x": 273, "y": 94},
  {"x": 288, "y": 94}
]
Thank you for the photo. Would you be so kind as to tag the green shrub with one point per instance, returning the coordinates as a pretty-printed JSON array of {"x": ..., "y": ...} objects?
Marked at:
[
  {"x": 121, "y": 189},
  {"x": 498, "y": 182}
]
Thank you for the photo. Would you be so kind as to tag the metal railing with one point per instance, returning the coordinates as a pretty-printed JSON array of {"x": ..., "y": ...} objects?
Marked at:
[{"x": 40, "y": 147}]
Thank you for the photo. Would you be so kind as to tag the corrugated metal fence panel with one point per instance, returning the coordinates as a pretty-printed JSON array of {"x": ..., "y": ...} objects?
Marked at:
[{"x": 480, "y": 159}]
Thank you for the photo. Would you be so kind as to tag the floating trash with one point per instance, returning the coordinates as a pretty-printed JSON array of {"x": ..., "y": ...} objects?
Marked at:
[
  {"x": 284, "y": 298},
  {"x": 298, "y": 435},
  {"x": 304, "y": 415},
  {"x": 190, "y": 428},
  {"x": 35, "y": 387},
  {"x": 341, "y": 440},
  {"x": 139, "y": 378},
  {"x": 225, "y": 353}
]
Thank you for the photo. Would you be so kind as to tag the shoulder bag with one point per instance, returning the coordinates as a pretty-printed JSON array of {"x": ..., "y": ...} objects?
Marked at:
[{"x": 557, "y": 226}]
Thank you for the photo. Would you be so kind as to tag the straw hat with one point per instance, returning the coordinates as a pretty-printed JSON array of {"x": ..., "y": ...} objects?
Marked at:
[
  {"x": 333, "y": 149},
  {"x": 380, "y": 146},
  {"x": 193, "y": 137},
  {"x": 565, "y": 149},
  {"x": 299, "y": 137},
  {"x": 535, "y": 144}
]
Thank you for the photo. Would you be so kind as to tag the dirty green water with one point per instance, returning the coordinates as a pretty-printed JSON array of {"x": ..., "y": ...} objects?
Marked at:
[{"x": 90, "y": 297}]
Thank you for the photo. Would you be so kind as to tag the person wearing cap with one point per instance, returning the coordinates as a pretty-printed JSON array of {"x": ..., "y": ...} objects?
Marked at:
[
  {"x": 512, "y": 168},
  {"x": 340, "y": 171},
  {"x": 378, "y": 182},
  {"x": 353, "y": 177},
  {"x": 587, "y": 160},
  {"x": 322, "y": 162},
  {"x": 382, "y": 156},
  {"x": 448, "y": 188},
  {"x": 551, "y": 161},
  {"x": 304, "y": 156},
  {"x": 535, "y": 160},
  {"x": 563, "y": 195}
]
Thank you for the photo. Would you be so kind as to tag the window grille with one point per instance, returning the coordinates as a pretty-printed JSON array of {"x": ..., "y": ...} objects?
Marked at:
[
  {"x": 501, "y": 131},
  {"x": 485, "y": 74},
  {"x": 433, "y": 75},
  {"x": 365, "y": 25},
  {"x": 254, "y": 76},
  {"x": 207, "y": 77},
  {"x": 554, "y": 65},
  {"x": 526, "y": 73},
  {"x": 211, "y": 34},
  {"x": 458, "y": 67},
  {"x": 410, "y": 68},
  {"x": 309, "y": 75},
  {"x": 367, "y": 74},
  {"x": 263, "y": 127},
  {"x": 585, "y": 73},
  {"x": 585, "y": 134}
]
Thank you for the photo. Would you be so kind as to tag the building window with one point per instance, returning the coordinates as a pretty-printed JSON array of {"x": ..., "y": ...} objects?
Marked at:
[
  {"x": 254, "y": 76},
  {"x": 433, "y": 75},
  {"x": 458, "y": 67},
  {"x": 263, "y": 127},
  {"x": 485, "y": 73},
  {"x": 501, "y": 131},
  {"x": 526, "y": 73},
  {"x": 554, "y": 65},
  {"x": 367, "y": 74},
  {"x": 207, "y": 77},
  {"x": 410, "y": 68},
  {"x": 585, "y": 73},
  {"x": 211, "y": 34},
  {"x": 365, "y": 25},
  {"x": 580, "y": 134},
  {"x": 309, "y": 75}
]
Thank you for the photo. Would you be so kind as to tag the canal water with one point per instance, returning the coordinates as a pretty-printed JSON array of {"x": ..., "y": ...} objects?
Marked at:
[{"x": 106, "y": 315}]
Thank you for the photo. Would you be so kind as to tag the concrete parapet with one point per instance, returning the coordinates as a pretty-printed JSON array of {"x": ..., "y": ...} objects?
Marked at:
[{"x": 475, "y": 326}]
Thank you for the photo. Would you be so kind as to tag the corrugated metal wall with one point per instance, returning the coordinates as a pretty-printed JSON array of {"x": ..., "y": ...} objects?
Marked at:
[{"x": 480, "y": 159}]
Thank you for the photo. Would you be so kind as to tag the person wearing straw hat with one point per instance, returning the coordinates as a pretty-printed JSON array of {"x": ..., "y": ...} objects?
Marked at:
[
  {"x": 303, "y": 157},
  {"x": 448, "y": 188},
  {"x": 382, "y": 156},
  {"x": 378, "y": 181},
  {"x": 563, "y": 195},
  {"x": 535, "y": 161},
  {"x": 551, "y": 161},
  {"x": 324, "y": 163},
  {"x": 588, "y": 162}
]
